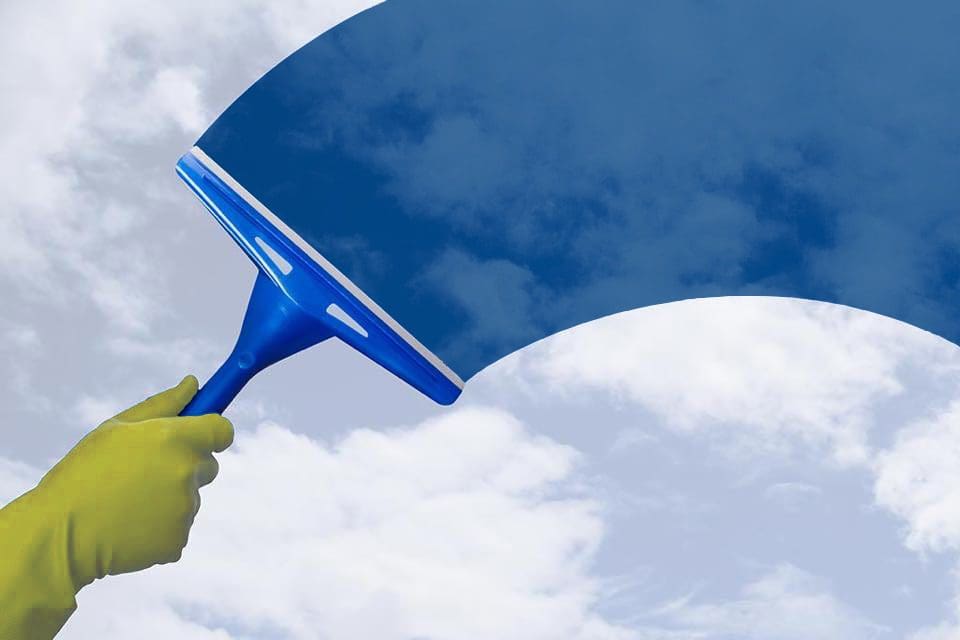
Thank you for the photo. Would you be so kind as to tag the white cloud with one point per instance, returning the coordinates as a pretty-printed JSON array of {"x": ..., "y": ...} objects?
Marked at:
[
  {"x": 762, "y": 374},
  {"x": 170, "y": 99},
  {"x": 464, "y": 526},
  {"x": 785, "y": 604},
  {"x": 767, "y": 376},
  {"x": 918, "y": 478}
]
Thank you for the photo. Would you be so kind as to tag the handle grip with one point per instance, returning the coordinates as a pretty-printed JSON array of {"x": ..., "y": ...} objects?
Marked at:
[
  {"x": 274, "y": 327},
  {"x": 220, "y": 390}
]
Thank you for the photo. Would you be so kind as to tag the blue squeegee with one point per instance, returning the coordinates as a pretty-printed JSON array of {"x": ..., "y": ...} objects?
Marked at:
[{"x": 299, "y": 299}]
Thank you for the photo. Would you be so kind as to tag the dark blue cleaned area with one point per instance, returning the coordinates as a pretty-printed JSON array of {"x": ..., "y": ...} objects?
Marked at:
[{"x": 491, "y": 172}]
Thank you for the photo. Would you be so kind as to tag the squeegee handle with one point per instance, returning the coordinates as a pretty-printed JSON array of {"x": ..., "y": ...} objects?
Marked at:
[
  {"x": 274, "y": 328},
  {"x": 220, "y": 390}
]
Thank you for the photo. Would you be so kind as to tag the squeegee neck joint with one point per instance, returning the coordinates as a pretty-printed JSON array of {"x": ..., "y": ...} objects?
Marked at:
[{"x": 274, "y": 328}]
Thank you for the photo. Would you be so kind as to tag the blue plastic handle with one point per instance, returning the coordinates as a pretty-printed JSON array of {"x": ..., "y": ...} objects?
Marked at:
[{"x": 274, "y": 328}]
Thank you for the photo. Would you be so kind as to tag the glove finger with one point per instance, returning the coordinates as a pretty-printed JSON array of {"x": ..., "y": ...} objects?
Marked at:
[
  {"x": 206, "y": 471},
  {"x": 165, "y": 404},
  {"x": 205, "y": 434}
]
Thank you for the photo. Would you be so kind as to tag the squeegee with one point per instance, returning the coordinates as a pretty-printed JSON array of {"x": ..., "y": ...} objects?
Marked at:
[{"x": 299, "y": 299}]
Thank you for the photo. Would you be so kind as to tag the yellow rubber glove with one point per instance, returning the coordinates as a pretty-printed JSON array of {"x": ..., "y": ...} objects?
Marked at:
[{"x": 122, "y": 500}]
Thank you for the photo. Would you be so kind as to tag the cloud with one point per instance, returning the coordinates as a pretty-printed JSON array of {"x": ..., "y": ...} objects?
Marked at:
[
  {"x": 918, "y": 478},
  {"x": 464, "y": 526},
  {"x": 772, "y": 385},
  {"x": 769, "y": 373},
  {"x": 497, "y": 296},
  {"x": 785, "y": 604}
]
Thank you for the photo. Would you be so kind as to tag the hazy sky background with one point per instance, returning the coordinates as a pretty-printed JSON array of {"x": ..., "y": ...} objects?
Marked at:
[{"x": 711, "y": 469}]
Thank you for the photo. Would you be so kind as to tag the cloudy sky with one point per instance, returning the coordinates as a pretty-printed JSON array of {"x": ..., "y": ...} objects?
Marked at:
[
  {"x": 724, "y": 468},
  {"x": 759, "y": 468}
]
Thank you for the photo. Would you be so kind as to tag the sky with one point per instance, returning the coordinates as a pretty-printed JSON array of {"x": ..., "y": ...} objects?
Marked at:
[{"x": 722, "y": 468}]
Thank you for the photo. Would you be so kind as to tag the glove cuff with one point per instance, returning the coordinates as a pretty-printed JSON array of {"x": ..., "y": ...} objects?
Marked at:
[{"x": 36, "y": 584}]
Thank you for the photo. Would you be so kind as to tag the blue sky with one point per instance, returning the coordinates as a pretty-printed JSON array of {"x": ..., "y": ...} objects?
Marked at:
[
  {"x": 711, "y": 469},
  {"x": 492, "y": 172}
]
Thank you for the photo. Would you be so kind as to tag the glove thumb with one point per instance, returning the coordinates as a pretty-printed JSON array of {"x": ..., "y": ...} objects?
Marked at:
[{"x": 165, "y": 404}]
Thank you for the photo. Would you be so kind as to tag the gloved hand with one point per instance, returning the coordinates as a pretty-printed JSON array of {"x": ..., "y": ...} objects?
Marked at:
[{"x": 122, "y": 500}]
